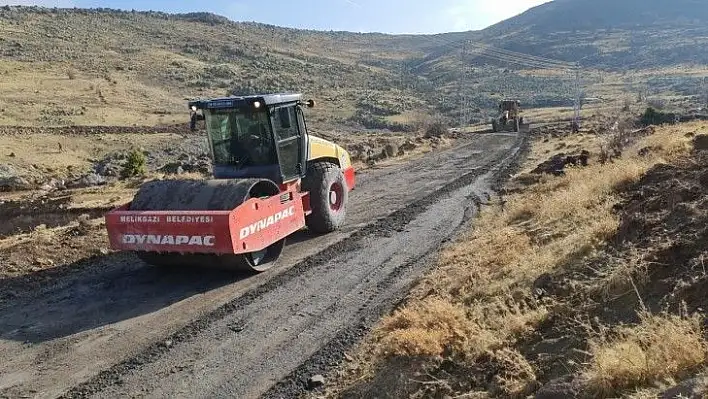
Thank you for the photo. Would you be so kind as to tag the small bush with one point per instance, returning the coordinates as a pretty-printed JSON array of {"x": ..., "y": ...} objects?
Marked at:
[
  {"x": 435, "y": 129},
  {"x": 135, "y": 165},
  {"x": 654, "y": 117},
  {"x": 660, "y": 347}
]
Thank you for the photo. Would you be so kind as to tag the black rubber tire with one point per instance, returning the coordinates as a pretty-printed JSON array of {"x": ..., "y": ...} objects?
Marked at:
[{"x": 321, "y": 178}]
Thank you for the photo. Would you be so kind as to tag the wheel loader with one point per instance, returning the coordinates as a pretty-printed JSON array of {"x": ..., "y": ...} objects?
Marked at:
[
  {"x": 270, "y": 180},
  {"x": 509, "y": 118}
]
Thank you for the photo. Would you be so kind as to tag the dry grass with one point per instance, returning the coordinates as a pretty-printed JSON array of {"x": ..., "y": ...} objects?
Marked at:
[
  {"x": 660, "y": 348},
  {"x": 48, "y": 97},
  {"x": 516, "y": 377},
  {"x": 435, "y": 327},
  {"x": 623, "y": 277},
  {"x": 534, "y": 232},
  {"x": 478, "y": 302},
  {"x": 538, "y": 230}
]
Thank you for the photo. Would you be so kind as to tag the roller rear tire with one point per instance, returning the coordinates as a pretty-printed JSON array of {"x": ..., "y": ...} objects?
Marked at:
[{"x": 329, "y": 197}]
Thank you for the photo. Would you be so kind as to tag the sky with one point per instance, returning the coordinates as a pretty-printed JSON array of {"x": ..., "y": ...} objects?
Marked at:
[{"x": 388, "y": 16}]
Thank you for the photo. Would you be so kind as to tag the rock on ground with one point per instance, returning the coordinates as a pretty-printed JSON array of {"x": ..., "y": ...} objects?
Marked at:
[
  {"x": 315, "y": 381},
  {"x": 695, "y": 388},
  {"x": 561, "y": 388},
  {"x": 700, "y": 142},
  {"x": 10, "y": 179},
  {"x": 89, "y": 180},
  {"x": 188, "y": 164},
  {"x": 556, "y": 164}
]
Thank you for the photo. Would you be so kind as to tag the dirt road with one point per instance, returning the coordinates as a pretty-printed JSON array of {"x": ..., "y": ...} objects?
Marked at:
[{"x": 113, "y": 327}]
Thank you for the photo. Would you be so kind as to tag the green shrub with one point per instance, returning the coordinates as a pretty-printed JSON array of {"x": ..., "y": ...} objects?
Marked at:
[
  {"x": 654, "y": 117},
  {"x": 435, "y": 128},
  {"x": 135, "y": 164}
]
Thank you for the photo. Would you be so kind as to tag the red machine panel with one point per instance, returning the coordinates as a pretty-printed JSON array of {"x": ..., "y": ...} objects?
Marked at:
[
  {"x": 252, "y": 226},
  {"x": 350, "y": 177},
  {"x": 258, "y": 223},
  {"x": 169, "y": 231}
]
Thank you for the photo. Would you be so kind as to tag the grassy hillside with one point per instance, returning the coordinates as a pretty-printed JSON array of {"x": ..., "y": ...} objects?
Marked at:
[
  {"x": 101, "y": 66},
  {"x": 636, "y": 45},
  {"x": 628, "y": 34},
  {"x": 112, "y": 67}
]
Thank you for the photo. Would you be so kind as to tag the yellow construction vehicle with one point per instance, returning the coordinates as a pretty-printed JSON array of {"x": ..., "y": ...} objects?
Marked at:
[
  {"x": 509, "y": 118},
  {"x": 271, "y": 179}
]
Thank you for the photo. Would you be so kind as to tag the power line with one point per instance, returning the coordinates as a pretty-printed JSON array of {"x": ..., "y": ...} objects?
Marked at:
[
  {"x": 461, "y": 80},
  {"x": 514, "y": 58},
  {"x": 520, "y": 59},
  {"x": 531, "y": 59},
  {"x": 543, "y": 63}
]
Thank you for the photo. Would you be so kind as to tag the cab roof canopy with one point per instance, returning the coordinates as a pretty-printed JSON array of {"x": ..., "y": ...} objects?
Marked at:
[{"x": 246, "y": 101}]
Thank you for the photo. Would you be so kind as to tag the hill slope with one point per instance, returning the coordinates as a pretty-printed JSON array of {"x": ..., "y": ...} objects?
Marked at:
[
  {"x": 101, "y": 66},
  {"x": 569, "y": 15},
  {"x": 616, "y": 34},
  {"x": 109, "y": 66},
  {"x": 637, "y": 44}
]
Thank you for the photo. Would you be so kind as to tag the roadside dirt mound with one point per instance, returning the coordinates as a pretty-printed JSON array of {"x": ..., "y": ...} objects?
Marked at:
[
  {"x": 588, "y": 285},
  {"x": 666, "y": 217},
  {"x": 653, "y": 269},
  {"x": 373, "y": 148},
  {"x": 46, "y": 253},
  {"x": 24, "y": 216},
  {"x": 557, "y": 163},
  {"x": 97, "y": 160},
  {"x": 378, "y": 149}
]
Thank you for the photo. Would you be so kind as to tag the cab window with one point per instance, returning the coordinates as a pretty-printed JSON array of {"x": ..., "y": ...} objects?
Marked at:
[
  {"x": 287, "y": 134},
  {"x": 240, "y": 138},
  {"x": 285, "y": 123}
]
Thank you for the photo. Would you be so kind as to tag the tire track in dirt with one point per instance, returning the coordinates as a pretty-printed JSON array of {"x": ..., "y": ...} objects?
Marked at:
[{"x": 331, "y": 354}]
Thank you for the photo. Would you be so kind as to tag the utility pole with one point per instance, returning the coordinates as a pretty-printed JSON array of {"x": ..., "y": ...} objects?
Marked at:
[
  {"x": 578, "y": 99},
  {"x": 467, "y": 102},
  {"x": 460, "y": 86},
  {"x": 401, "y": 83}
]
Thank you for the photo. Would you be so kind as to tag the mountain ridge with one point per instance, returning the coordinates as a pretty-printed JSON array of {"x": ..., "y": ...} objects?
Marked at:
[{"x": 108, "y": 66}]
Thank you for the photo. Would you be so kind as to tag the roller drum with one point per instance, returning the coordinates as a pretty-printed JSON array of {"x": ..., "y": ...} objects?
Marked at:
[
  {"x": 193, "y": 195},
  {"x": 206, "y": 195}
]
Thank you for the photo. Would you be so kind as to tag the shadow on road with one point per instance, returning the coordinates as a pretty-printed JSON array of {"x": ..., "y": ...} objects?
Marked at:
[
  {"x": 100, "y": 291},
  {"x": 299, "y": 237},
  {"x": 96, "y": 292}
]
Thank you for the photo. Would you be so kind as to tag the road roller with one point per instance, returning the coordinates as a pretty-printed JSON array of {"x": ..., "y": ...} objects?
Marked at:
[{"x": 270, "y": 179}]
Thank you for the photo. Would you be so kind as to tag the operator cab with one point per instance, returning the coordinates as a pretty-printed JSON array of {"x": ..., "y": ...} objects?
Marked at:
[{"x": 256, "y": 136}]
